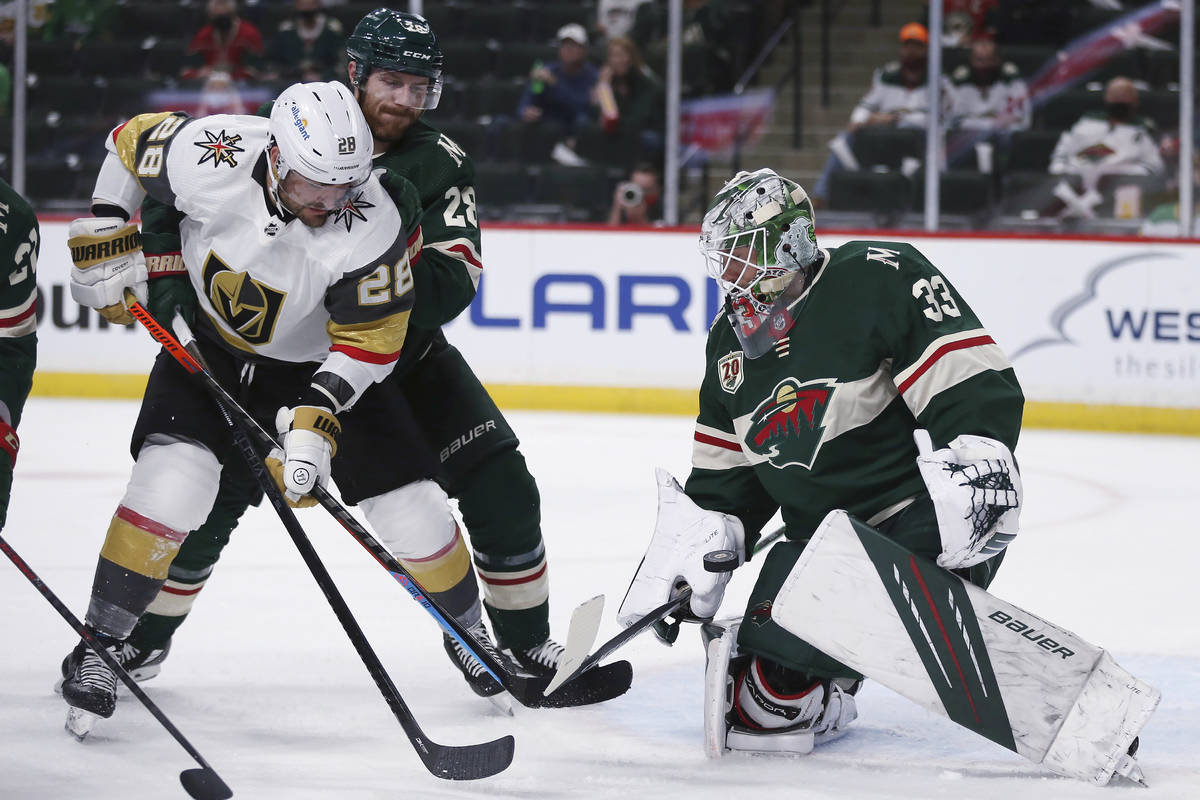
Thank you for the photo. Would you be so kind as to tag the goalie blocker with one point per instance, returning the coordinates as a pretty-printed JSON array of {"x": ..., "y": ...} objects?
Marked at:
[{"x": 1024, "y": 683}]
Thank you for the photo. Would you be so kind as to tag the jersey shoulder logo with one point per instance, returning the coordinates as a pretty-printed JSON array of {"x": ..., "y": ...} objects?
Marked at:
[
  {"x": 249, "y": 306},
  {"x": 729, "y": 371},
  {"x": 219, "y": 148},
  {"x": 788, "y": 426},
  {"x": 352, "y": 210}
]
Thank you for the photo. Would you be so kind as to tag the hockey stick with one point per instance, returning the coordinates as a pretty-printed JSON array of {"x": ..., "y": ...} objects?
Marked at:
[
  {"x": 526, "y": 690},
  {"x": 568, "y": 672},
  {"x": 467, "y": 762},
  {"x": 202, "y": 783}
]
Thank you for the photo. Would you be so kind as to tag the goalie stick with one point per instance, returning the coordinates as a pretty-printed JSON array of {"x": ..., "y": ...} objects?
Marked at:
[
  {"x": 574, "y": 664},
  {"x": 203, "y": 782},
  {"x": 468, "y": 762},
  {"x": 602, "y": 684}
]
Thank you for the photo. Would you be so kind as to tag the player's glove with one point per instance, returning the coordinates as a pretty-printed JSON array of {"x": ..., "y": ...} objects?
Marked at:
[
  {"x": 107, "y": 253},
  {"x": 309, "y": 437},
  {"x": 976, "y": 493},
  {"x": 683, "y": 534}
]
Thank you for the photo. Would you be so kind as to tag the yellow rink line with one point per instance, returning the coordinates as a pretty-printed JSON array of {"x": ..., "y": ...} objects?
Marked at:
[{"x": 621, "y": 400}]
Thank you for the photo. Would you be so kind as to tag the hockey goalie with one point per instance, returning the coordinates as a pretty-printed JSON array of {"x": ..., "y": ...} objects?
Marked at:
[{"x": 856, "y": 392}]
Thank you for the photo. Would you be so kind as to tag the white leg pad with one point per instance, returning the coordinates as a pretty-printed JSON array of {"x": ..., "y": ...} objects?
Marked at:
[
  {"x": 174, "y": 482},
  {"x": 414, "y": 521},
  {"x": 951, "y": 647}
]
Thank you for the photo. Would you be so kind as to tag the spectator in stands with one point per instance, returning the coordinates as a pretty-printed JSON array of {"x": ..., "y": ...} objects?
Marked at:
[
  {"x": 636, "y": 200},
  {"x": 1115, "y": 141},
  {"x": 988, "y": 100},
  {"x": 227, "y": 43},
  {"x": 897, "y": 98},
  {"x": 558, "y": 97},
  {"x": 309, "y": 46},
  {"x": 561, "y": 93},
  {"x": 630, "y": 98},
  {"x": 615, "y": 17},
  {"x": 964, "y": 21}
]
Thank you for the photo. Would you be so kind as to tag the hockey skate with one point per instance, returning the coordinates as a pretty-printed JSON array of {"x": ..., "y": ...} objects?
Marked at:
[
  {"x": 744, "y": 711},
  {"x": 142, "y": 665},
  {"x": 476, "y": 675},
  {"x": 541, "y": 660},
  {"x": 90, "y": 689}
]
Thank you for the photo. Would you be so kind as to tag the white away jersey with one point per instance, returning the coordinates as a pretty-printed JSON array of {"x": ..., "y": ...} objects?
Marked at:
[{"x": 277, "y": 289}]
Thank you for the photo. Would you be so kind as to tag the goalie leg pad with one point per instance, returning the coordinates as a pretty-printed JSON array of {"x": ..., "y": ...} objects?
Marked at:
[{"x": 951, "y": 647}]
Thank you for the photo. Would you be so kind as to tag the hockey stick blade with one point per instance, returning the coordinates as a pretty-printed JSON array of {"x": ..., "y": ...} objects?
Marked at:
[
  {"x": 204, "y": 784},
  {"x": 618, "y": 641},
  {"x": 581, "y": 635},
  {"x": 471, "y": 762},
  {"x": 210, "y": 787}
]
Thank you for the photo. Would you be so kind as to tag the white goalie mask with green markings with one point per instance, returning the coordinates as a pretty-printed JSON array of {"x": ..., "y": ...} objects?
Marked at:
[{"x": 759, "y": 246}]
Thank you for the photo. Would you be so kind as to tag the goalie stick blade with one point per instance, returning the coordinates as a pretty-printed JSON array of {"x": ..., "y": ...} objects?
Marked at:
[
  {"x": 204, "y": 784},
  {"x": 471, "y": 762},
  {"x": 606, "y": 649},
  {"x": 585, "y": 624}
]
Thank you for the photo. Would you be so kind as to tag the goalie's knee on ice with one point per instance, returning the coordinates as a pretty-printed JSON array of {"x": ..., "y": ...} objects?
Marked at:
[
  {"x": 174, "y": 482},
  {"x": 414, "y": 521}
]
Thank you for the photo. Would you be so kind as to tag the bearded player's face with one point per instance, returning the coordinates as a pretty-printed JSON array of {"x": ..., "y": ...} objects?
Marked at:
[{"x": 387, "y": 100}]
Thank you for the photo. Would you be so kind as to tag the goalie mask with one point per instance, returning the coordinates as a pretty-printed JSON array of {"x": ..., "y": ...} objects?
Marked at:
[
  {"x": 324, "y": 147},
  {"x": 759, "y": 245},
  {"x": 402, "y": 42}
]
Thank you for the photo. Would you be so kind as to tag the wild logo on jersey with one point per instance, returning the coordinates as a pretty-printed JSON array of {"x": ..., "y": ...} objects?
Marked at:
[
  {"x": 788, "y": 426},
  {"x": 250, "y": 307}
]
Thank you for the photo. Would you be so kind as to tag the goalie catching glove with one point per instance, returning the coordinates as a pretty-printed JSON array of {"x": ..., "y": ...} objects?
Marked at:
[
  {"x": 976, "y": 493},
  {"x": 107, "y": 254},
  {"x": 683, "y": 534},
  {"x": 308, "y": 441}
]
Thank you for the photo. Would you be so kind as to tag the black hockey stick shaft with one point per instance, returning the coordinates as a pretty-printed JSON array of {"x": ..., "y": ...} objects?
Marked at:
[
  {"x": 202, "y": 783},
  {"x": 526, "y": 690},
  {"x": 468, "y": 762}
]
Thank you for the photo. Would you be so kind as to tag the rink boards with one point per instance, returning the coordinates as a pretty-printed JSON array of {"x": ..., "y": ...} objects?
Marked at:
[{"x": 1103, "y": 334}]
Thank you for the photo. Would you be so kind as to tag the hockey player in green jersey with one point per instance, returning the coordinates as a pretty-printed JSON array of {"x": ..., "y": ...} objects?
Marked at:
[
  {"x": 395, "y": 65},
  {"x": 818, "y": 373},
  {"x": 18, "y": 325}
]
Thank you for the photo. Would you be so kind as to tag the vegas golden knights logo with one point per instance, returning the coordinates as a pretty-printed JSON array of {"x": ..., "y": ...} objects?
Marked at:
[{"x": 250, "y": 307}]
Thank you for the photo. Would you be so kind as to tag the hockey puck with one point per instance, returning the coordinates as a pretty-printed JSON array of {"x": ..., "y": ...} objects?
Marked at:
[{"x": 720, "y": 561}]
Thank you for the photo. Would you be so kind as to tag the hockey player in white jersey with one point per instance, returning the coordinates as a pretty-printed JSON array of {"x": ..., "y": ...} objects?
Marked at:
[{"x": 301, "y": 258}]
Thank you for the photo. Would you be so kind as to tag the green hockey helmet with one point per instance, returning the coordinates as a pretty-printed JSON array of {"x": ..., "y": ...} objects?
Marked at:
[
  {"x": 399, "y": 41},
  {"x": 757, "y": 238}
]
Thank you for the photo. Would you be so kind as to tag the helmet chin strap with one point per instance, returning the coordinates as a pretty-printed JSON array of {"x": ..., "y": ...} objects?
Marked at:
[{"x": 274, "y": 180}]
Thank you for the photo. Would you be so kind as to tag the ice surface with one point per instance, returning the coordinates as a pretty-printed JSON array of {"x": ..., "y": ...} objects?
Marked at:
[{"x": 265, "y": 684}]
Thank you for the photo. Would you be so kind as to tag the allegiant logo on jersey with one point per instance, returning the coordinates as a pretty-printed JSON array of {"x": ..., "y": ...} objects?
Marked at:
[
  {"x": 250, "y": 307},
  {"x": 788, "y": 426},
  {"x": 300, "y": 123}
]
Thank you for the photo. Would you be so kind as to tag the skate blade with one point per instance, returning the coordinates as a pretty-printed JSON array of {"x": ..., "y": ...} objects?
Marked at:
[
  {"x": 80, "y": 723},
  {"x": 503, "y": 702}
]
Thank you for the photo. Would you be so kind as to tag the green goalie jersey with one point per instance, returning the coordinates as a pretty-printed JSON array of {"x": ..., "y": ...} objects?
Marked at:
[
  {"x": 881, "y": 344},
  {"x": 446, "y": 273},
  {"x": 18, "y": 301}
]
